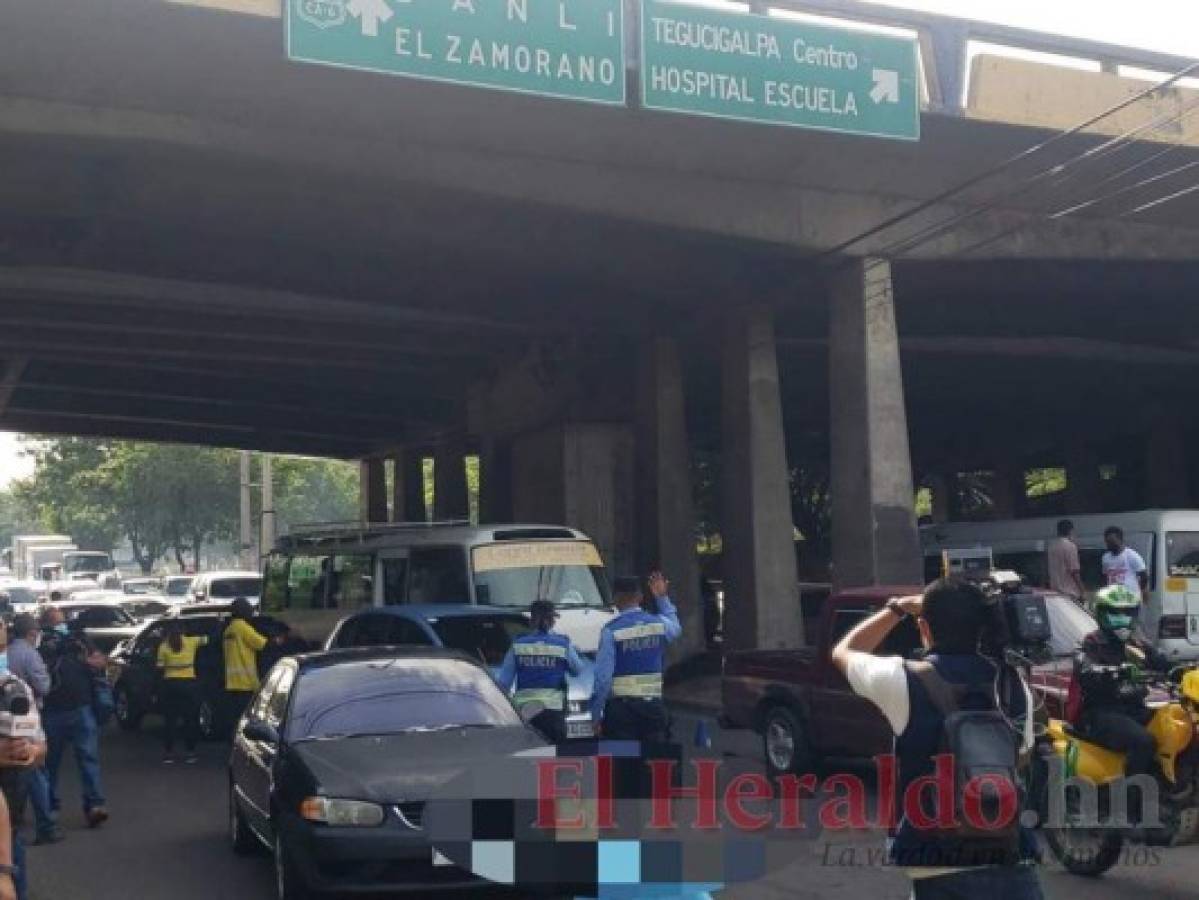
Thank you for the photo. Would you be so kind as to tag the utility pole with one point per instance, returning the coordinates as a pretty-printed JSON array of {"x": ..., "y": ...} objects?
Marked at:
[
  {"x": 268, "y": 508},
  {"x": 246, "y": 557}
]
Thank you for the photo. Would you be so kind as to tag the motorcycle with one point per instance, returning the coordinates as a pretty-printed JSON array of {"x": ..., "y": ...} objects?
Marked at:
[{"x": 1081, "y": 831}]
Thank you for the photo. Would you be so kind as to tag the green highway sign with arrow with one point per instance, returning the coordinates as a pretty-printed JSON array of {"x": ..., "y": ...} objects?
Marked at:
[
  {"x": 556, "y": 48},
  {"x": 778, "y": 71}
]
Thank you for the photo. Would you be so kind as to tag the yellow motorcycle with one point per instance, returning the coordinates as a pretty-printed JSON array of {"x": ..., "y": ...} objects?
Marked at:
[{"x": 1082, "y": 804}]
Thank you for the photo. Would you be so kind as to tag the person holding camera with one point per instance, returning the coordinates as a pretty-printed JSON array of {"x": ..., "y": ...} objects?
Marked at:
[
  {"x": 26, "y": 663},
  {"x": 22, "y": 749},
  {"x": 921, "y": 701},
  {"x": 70, "y": 718}
]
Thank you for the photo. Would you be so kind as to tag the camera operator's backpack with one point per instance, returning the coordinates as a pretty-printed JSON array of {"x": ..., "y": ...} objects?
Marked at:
[{"x": 983, "y": 745}]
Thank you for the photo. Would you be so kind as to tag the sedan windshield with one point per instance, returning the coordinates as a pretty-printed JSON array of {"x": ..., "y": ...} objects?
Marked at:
[
  {"x": 178, "y": 587},
  {"x": 396, "y": 696}
]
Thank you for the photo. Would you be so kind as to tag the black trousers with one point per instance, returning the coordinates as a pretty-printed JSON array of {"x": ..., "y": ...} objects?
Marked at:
[
  {"x": 635, "y": 719},
  {"x": 235, "y": 703},
  {"x": 1121, "y": 732},
  {"x": 552, "y": 725},
  {"x": 180, "y": 702}
]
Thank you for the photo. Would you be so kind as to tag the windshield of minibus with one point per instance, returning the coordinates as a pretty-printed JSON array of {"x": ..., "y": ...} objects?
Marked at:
[
  {"x": 76, "y": 563},
  {"x": 1182, "y": 554},
  {"x": 569, "y": 573}
]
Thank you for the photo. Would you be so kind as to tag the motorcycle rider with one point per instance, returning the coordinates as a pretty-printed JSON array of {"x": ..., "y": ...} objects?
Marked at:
[{"x": 1114, "y": 714}]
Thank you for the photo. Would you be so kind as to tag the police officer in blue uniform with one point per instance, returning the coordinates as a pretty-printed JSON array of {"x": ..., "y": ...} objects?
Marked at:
[
  {"x": 629, "y": 665},
  {"x": 538, "y": 663}
]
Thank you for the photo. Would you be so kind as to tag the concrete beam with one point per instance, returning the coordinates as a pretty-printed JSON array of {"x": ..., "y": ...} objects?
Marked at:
[
  {"x": 12, "y": 377},
  {"x": 762, "y": 593},
  {"x": 874, "y": 521}
]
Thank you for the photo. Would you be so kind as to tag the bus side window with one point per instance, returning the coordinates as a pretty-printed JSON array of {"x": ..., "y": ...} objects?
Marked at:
[
  {"x": 307, "y": 582},
  {"x": 274, "y": 584},
  {"x": 438, "y": 575},
  {"x": 351, "y": 584}
]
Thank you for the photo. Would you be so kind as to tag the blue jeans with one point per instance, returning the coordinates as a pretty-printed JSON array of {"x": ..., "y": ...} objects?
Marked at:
[
  {"x": 78, "y": 728},
  {"x": 984, "y": 883},
  {"x": 20, "y": 879},
  {"x": 39, "y": 798}
]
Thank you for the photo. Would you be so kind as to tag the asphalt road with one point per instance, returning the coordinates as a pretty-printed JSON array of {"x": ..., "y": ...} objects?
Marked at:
[{"x": 167, "y": 840}]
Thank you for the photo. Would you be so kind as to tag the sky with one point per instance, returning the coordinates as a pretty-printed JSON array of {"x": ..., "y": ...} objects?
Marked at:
[{"x": 1168, "y": 26}]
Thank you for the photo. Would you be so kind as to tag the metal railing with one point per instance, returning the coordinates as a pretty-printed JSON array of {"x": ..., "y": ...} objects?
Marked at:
[{"x": 945, "y": 42}]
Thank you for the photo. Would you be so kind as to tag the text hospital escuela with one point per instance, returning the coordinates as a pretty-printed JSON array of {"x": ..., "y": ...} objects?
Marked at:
[{"x": 738, "y": 41}]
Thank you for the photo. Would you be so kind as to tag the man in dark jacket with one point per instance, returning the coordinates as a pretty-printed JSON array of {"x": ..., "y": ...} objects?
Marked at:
[
  {"x": 1114, "y": 714},
  {"x": 68, "y": 716}
]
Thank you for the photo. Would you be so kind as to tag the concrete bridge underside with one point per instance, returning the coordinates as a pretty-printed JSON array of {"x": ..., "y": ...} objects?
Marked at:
[{"x": 201, "y": 242}]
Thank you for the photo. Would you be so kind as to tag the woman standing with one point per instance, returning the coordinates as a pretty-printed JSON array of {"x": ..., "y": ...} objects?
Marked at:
[{"x": 180, "y": 694}]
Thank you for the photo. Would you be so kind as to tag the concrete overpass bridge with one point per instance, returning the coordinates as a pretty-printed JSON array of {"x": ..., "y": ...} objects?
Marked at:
[{"x": 202, "y": 241}]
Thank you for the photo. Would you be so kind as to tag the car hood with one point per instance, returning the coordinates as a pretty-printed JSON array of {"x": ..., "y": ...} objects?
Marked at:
[{"x": 394, "y": 768}]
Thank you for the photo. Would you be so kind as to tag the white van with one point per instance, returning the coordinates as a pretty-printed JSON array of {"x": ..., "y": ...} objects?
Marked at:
[
  {"x": 320, "y": 574},
  {"x": 1167, "y": 539}
]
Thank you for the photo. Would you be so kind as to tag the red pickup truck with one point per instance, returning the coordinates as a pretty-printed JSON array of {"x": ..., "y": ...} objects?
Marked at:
[{"x": 803, "y": 707}]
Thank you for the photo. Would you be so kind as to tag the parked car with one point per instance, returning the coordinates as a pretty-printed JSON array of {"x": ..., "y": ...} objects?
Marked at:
[
  {"x": 133, "y": 669},
  {"x": 177, "y": 587},
  {"x": 228, "y": 585},
  {"x": 146, "y": 607},
  {"x": 482, "y": 632},
  {"x": 23, "y": 597},
  {"x": 141, "y": 585},
  {"x": 803, "y": 706},
  {"x": 363, "y": 736},
  {"x": 103, "y": 620}
]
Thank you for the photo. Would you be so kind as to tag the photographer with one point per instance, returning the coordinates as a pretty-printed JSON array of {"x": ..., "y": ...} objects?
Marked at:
[
  {"x": 918, "y": 700},
  {"x": 22, "y": 749},
  {"x": 74, "y": 665}
]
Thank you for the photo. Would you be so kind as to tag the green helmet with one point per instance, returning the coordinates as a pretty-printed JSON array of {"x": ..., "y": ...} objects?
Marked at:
[{"x": 1115, "y": 607}]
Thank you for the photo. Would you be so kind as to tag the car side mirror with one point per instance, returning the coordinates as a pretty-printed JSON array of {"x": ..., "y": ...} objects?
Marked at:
[{"x": 258, "y": 730}]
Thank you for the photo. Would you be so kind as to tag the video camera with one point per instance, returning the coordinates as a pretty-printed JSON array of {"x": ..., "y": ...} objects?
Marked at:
[
  {"x": 1019, "y": 632},
  {"x": 18, "y": 716}
]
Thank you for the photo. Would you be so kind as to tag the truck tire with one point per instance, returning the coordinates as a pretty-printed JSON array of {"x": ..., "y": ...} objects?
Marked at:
[{"x": 785, "y": 743}]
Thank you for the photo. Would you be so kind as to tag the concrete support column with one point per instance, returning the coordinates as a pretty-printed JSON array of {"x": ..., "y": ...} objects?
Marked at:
[
  {"x": 495, "y": 481},
  {"x": 450, "y": 500},
  {"x": 1082, "y": 479},
  {"x": 408, "y": 487},
  {"x": 874, "y": 522},
  {"x": 372, "y": 491},
  {"x": 666, "y": 515},
  {"x": 1167, "y": 476},
  {"x": 762, "y": 585}
]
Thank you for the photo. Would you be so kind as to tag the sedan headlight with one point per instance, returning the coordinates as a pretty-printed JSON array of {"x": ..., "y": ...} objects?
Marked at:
[{"x": 342, "y": 813}]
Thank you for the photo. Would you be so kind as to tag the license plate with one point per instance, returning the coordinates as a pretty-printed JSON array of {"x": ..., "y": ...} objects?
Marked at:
[
  {"x": 579, "y": 730},
  {"x": 440, "y": 859}
]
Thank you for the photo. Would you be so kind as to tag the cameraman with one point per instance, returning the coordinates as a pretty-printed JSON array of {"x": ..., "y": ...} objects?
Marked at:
[
  {"x": 952, "y": 616},
  {"x": 22, "y": 749},
  {"x": 74, "y": 665}
]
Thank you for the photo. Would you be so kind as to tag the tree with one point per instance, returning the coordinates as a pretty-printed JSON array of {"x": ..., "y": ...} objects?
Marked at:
[
  {"x": 67, "y": 493},
  {"x": 314, "y": 490}
]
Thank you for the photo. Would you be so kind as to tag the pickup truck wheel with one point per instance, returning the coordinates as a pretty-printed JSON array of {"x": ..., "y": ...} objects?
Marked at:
[{"x": 785, "y": 744}]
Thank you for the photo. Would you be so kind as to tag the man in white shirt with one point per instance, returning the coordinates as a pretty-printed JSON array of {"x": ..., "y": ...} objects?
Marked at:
[
  {"x": 1124, "y": 566},
  {"x": 951, "y": 616}
]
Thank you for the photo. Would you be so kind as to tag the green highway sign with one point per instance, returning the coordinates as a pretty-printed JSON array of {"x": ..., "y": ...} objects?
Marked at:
[
  {"x": 778, "y": 71},
  {"x": 556, "y": 48}
]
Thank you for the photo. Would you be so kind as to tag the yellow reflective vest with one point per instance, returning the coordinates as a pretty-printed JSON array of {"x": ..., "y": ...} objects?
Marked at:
[{"x": 242, "y": 644}]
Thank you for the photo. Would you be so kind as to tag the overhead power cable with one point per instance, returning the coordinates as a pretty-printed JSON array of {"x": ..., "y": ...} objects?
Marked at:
[{"x": 1006, "y": 165}]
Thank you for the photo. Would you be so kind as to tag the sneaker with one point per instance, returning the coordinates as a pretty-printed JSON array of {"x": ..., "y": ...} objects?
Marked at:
[
  {"x": 191, "y": 759},
  {"x": 53, "y": 836},
  {"x": 96, "y": 816}
]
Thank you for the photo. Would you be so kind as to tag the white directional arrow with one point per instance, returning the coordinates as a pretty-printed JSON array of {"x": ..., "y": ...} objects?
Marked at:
[
  {"x": 370, "y": 13},
  {"x": 886, "y": 86}
]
